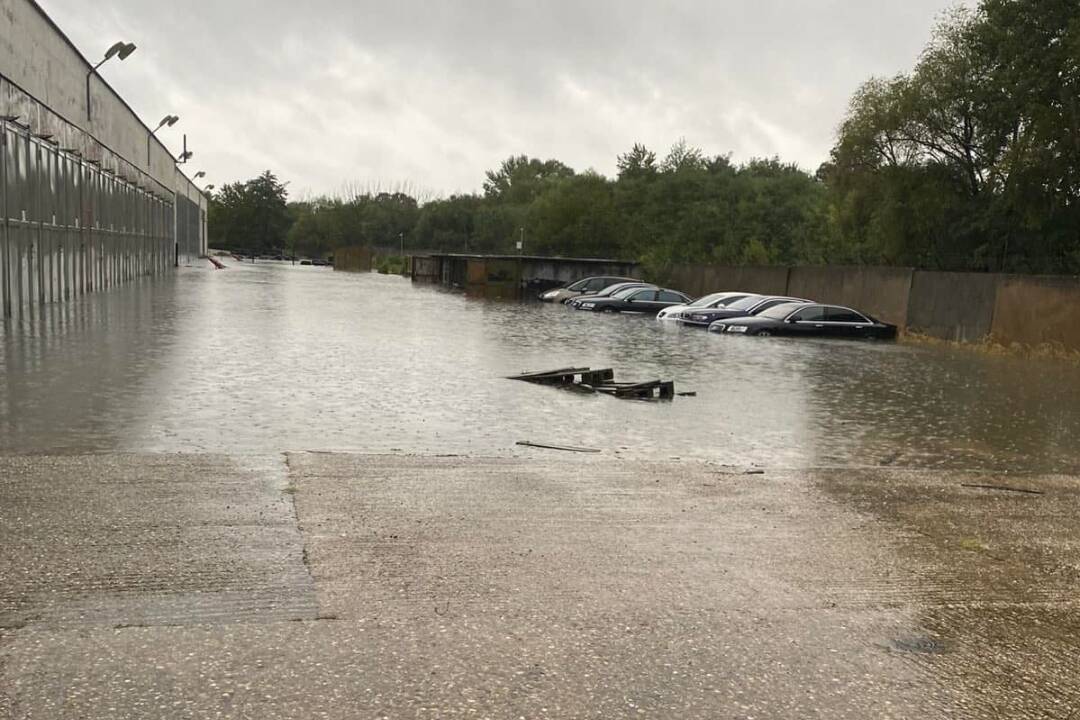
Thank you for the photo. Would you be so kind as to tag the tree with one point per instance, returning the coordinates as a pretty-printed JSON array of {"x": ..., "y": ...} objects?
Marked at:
[
  {"x": 520, "y": 179},
  {"x": 576, "y": 217},
  {"x": 639, "y": 163},
  {"x": 251, "y": 216},
  {"x": 683, "y": 157},
  {"x": 971, "y": 161}
]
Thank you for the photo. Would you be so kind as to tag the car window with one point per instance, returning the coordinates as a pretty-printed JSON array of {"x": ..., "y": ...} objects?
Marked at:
[
  {"x": 727, "y": 301},
  {"x": 779, "y": 312},
  {"x": 708, "y": 300},
  {"x": 668, "y": 296},
  {"x": 579, "y": 285},
  {"x": 746, "y": 303},
  {"x": 644, "y": 296},
  {"x": 770, "y": 304},
  {"x": 839, "y": 314},
  {"x": 597, "y": 284},
  {"x": 811, "y": 314}
]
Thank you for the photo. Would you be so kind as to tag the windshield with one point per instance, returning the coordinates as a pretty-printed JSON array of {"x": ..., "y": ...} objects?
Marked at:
[
  {"x": 579, "y": 285},
  {"x": 746, "y": 303},
  {"x": 618, "y": 288},
  {"x": 707, "y": 300},
  {"x": 779, "y": 312},
  {"x": 626, "y": 291}
]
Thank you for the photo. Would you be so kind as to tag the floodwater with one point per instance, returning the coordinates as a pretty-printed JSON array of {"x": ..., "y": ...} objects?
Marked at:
[{"x": 273, "y": 357}]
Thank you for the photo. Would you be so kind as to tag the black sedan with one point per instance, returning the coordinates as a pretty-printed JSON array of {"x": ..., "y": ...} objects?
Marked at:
[
  {"x": 811, "y": 320},
  {"x": 607, "y": 292},
  {"x": 636, "y": 300},
  {"x": 750, "y": 305}
]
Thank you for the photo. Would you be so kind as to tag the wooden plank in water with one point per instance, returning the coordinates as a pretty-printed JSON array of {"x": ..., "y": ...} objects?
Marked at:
[
  {"x": 547, "y": 373},
  {"x": 568, "y": 376},
  {"x": 566, "y": 448}
]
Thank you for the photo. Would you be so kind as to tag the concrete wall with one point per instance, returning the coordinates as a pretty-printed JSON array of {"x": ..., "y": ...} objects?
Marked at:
[
  {"x": 881, "y": 291},
  {"x": 38, "y": 59},
  {"x": 963, "y": 307},
  {"x": 43, "y": 85},
  {"x": 698, "y": 280},
  {"x": 353, "y": 259},
  {"x": 1037, "y": 311},
  {"x": 764, "y": 280},
  {"x": 952, "y": 306}
]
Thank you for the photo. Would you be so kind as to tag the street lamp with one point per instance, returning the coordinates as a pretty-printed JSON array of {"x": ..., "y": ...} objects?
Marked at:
[
  {"x": 120, "y": 50},
  {"x": 167, "y": 121}
]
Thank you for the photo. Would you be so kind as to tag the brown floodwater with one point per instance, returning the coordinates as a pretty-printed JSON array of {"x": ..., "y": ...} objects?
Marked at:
[{"x": 275, "y": 357}]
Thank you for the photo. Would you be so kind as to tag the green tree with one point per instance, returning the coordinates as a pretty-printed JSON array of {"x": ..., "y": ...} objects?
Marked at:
[
  {"x": 251, "y": 216},
  {"x": 520, "y": 179}
]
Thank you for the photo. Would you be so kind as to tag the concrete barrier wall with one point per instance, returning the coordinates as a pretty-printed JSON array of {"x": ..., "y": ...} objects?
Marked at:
[
  {"x": 952, "y": 306},
  {"x": 880, "y": 291},
  {"x": 352, "y": 259},
  {"x": 698, "y": 280},
  {"x": 962, "y": 307},
  {"x": 1037, "y": 311}
]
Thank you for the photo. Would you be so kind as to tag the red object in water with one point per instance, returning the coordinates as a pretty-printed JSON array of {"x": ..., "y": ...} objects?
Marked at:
[{"x": 218, "y": 265}]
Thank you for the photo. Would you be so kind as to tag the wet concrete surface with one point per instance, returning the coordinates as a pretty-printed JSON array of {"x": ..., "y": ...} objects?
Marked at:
[
  {"x": 148, "y": 539},
  {"x": 539, "y": 586}
]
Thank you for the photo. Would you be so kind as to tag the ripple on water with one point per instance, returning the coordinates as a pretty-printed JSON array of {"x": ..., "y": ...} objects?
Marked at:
[{"x": 270, "y": 357}]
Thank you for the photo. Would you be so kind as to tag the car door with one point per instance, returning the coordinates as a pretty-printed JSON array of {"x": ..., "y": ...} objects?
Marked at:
[
  {"x": 808, "y": 321},
  {"x": 843, "y": 322},
  {"x": 643, "y": 301},
  {"x": 666, "y": 298}
]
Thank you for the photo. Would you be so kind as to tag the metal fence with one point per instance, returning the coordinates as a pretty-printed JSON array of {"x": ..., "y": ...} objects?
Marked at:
[{"x": 69, "y": 227}]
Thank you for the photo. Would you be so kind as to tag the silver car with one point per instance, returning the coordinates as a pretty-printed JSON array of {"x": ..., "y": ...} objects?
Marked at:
[
  {"x": 720, "y": 299},
  {"x": 584, "y": 286}
]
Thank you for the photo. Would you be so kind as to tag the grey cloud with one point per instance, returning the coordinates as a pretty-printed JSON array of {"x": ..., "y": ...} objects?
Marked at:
[{"x": 326, "y": 92}]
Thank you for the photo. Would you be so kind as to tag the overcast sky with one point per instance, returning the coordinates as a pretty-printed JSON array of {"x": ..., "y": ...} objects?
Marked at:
[{"x": 432, "y": 93}]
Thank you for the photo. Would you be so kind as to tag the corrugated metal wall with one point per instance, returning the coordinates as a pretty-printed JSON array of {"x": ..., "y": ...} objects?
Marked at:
[{"x": 67, "y": 227}]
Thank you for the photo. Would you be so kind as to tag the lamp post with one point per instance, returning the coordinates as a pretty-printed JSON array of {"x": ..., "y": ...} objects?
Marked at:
[
  {"x": 120, "y": 50},
  {"x": 169, "y": 121},
  {"x": 186, "y": 154}
]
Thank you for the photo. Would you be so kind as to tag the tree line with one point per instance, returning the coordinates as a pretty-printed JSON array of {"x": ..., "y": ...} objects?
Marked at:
[{"x": 971, "y": 161}]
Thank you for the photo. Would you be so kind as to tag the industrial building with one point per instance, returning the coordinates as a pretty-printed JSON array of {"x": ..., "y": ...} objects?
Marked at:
[{"x": 89, "y": 197}]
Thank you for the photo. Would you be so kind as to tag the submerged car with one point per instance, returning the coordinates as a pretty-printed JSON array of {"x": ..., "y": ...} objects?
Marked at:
[
  {"x": 749, "y": 305},
  {"x": 636, "y": 300},
  {"x": 584, "y": 286},
  {"x": 811, "y": 320},
  {"x": 607, "y": 292},
  {"x": 720, "y": 299}
]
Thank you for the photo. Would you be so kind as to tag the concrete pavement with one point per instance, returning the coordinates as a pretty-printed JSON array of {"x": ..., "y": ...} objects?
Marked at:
[{"x": 343, "y": 586}]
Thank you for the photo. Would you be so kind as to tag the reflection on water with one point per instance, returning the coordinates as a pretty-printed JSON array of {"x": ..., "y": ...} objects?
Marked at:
[{"x": 273, "y": 357}]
